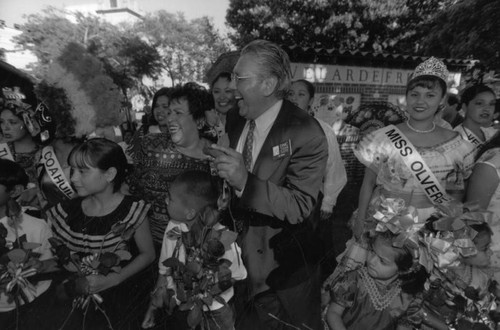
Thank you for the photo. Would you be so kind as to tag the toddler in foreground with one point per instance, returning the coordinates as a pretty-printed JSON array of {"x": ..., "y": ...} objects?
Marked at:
[{"x": 199, "y": 259}]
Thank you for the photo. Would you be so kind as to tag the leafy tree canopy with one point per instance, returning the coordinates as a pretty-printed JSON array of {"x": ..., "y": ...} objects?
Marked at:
[
  {"x": 367, "y": 25},
  {"x": 126, "y": 58},
  {"x": 187, "y": 48},
  {"x": 467, "y": 29}
]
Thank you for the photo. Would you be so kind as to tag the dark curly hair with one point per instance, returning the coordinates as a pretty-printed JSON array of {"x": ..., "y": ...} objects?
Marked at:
[
  {"x": 471, "y": 92},
  {"x": 412, "y": 276},
  {"x": 198, "y": 98}
]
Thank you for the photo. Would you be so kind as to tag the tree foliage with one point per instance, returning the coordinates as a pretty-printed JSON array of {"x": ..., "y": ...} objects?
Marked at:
[
  {"x": 187, "y": 48},
  {"x": 369, "y": 25},
  {"x": 467, "y": 29},
  {"x": 126, "y": 58}
]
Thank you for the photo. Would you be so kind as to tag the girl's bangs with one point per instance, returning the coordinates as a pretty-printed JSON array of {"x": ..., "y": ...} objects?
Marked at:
[{"x": 81, "y": 159}]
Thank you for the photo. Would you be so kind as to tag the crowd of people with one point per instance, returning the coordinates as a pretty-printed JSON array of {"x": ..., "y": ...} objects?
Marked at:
[{"x": 217, "y": 213}]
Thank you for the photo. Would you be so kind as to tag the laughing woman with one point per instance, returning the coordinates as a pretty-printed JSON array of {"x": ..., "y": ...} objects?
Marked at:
[
  {"x": 417, "y": 160},
  {"x": 159, "y": 160}
]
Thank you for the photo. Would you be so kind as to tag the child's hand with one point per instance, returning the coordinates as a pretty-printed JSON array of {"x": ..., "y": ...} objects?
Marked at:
[
  {"x": 98, "y": 283},
  {"x": 149, "y": 318}
]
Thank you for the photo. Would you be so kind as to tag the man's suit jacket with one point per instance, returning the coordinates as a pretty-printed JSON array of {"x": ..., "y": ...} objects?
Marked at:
[{"x": 281, "y": 191}]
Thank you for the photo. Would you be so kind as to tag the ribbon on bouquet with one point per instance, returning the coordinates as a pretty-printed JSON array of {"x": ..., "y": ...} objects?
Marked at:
[{"x": 19, "y": 277}]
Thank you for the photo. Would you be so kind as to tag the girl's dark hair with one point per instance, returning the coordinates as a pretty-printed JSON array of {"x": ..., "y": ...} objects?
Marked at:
[
  {"x": 197, "y": 97},
  {"x": 165, "y": 91},
  {"x": 412, "y": 277},
  {"x": 428, "y": 82},
  {"x": 221, "y": 75},
  {"x": 12, "y": 174},
  {"x": 471, "y": 92},
  {"x": 103, "y": 154},
  {"x": 494, "y": 142},
  {"x": 309, "y": 86}
]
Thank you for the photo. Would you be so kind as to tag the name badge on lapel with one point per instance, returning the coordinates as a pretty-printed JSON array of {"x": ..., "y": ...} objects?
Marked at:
[{"x": 282, "y": 150}]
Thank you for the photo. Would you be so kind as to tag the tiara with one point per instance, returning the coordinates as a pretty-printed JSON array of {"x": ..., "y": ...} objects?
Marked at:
[{"x": 431, "y": 67}]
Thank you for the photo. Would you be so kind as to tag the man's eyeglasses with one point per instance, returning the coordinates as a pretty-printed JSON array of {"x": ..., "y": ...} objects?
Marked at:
[{"x": 237, "y": 79}]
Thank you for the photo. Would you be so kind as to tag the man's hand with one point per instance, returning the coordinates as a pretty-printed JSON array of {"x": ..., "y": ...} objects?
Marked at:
[{"x": 230, "y": 166}]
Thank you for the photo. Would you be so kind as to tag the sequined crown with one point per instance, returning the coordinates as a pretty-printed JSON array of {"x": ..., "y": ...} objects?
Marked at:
[{"x": 431, "y": 67}]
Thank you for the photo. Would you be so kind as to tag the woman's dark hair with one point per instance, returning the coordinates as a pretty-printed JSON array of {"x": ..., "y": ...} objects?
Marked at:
[
  {"x": 428, "y": 82},
  {"x": 197, "y": 97},
  {"x": 12, "y": 174},
  {"x": 453, "y": 99},
  {"x": 165, "y": 91},
  {"x": 103, "y": 154},
  {"x": 309, "y": 86},
  {"x": 14, "y": 108},
  {"x": 412, "y": 276},
  {"x": 494, "y": 142},
  {"x": 471, "y": 92},
  {"x": 222, "y": 75}
]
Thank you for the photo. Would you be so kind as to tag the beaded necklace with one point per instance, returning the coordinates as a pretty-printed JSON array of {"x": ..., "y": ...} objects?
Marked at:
[{"x": 379, "y": 301}]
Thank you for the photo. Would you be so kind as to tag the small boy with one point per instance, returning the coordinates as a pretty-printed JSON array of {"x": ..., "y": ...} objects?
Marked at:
[
  {"x": 13, "y": 180},
  {"x": 191, "y": 206}
]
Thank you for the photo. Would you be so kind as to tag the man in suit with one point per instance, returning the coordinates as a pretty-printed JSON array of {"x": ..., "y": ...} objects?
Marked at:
[{"x": 275, "y": 165}]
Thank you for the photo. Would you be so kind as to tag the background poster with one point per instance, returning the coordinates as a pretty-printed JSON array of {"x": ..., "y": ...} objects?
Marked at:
[{"x": 332, "y": 108}]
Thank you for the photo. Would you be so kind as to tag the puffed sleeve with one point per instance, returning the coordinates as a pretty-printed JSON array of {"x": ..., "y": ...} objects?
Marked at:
[
  {"x": 373, "y": 150},
  {"x": 343, "y": 292}
]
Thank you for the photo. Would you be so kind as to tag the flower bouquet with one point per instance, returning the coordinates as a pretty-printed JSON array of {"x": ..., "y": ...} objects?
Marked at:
[
  {"x": 462, "y": 294},
  {"x": 101, "y": 263},
  {"x": 18, "y": 262},
  {"x": 205, "y": 274}
]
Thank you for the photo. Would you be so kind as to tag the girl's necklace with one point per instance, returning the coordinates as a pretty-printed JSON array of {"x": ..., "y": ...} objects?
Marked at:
[
  {"x": 379, "y": 301},
  {"x": 421, "y": 131}
]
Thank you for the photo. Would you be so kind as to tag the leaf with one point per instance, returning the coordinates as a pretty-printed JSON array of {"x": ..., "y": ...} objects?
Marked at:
[
  {"x": 172, "y": 263},
  {"x": 195, "y": 316},
  {"x": 56, "y": 242},
  {"x": 186, "y": 306},
  {"x": 123, "y": 255},
  {"x": 70, "y": 267},
  {"x": 31, "y": 246},
  {"x": 181, "y": 294},
  {"x": 220, "y": 300},
  {"x": 208, "y": 299},
  {"x": 3, "y": 231},
  {"x": 227, "y": 238},
  {"x": 16, "y": 255},
  {"x": 224, "y": 263}
]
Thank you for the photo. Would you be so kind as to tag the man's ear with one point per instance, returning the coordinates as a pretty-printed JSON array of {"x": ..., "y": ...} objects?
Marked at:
[
  {"x": 269, "y": 85},
  {"x": 16, "y": 191},
  {"x": 190, "y": 214}
]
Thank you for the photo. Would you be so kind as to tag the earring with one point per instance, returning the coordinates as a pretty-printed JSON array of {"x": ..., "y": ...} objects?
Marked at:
[{"x": 21, "y": 128}]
